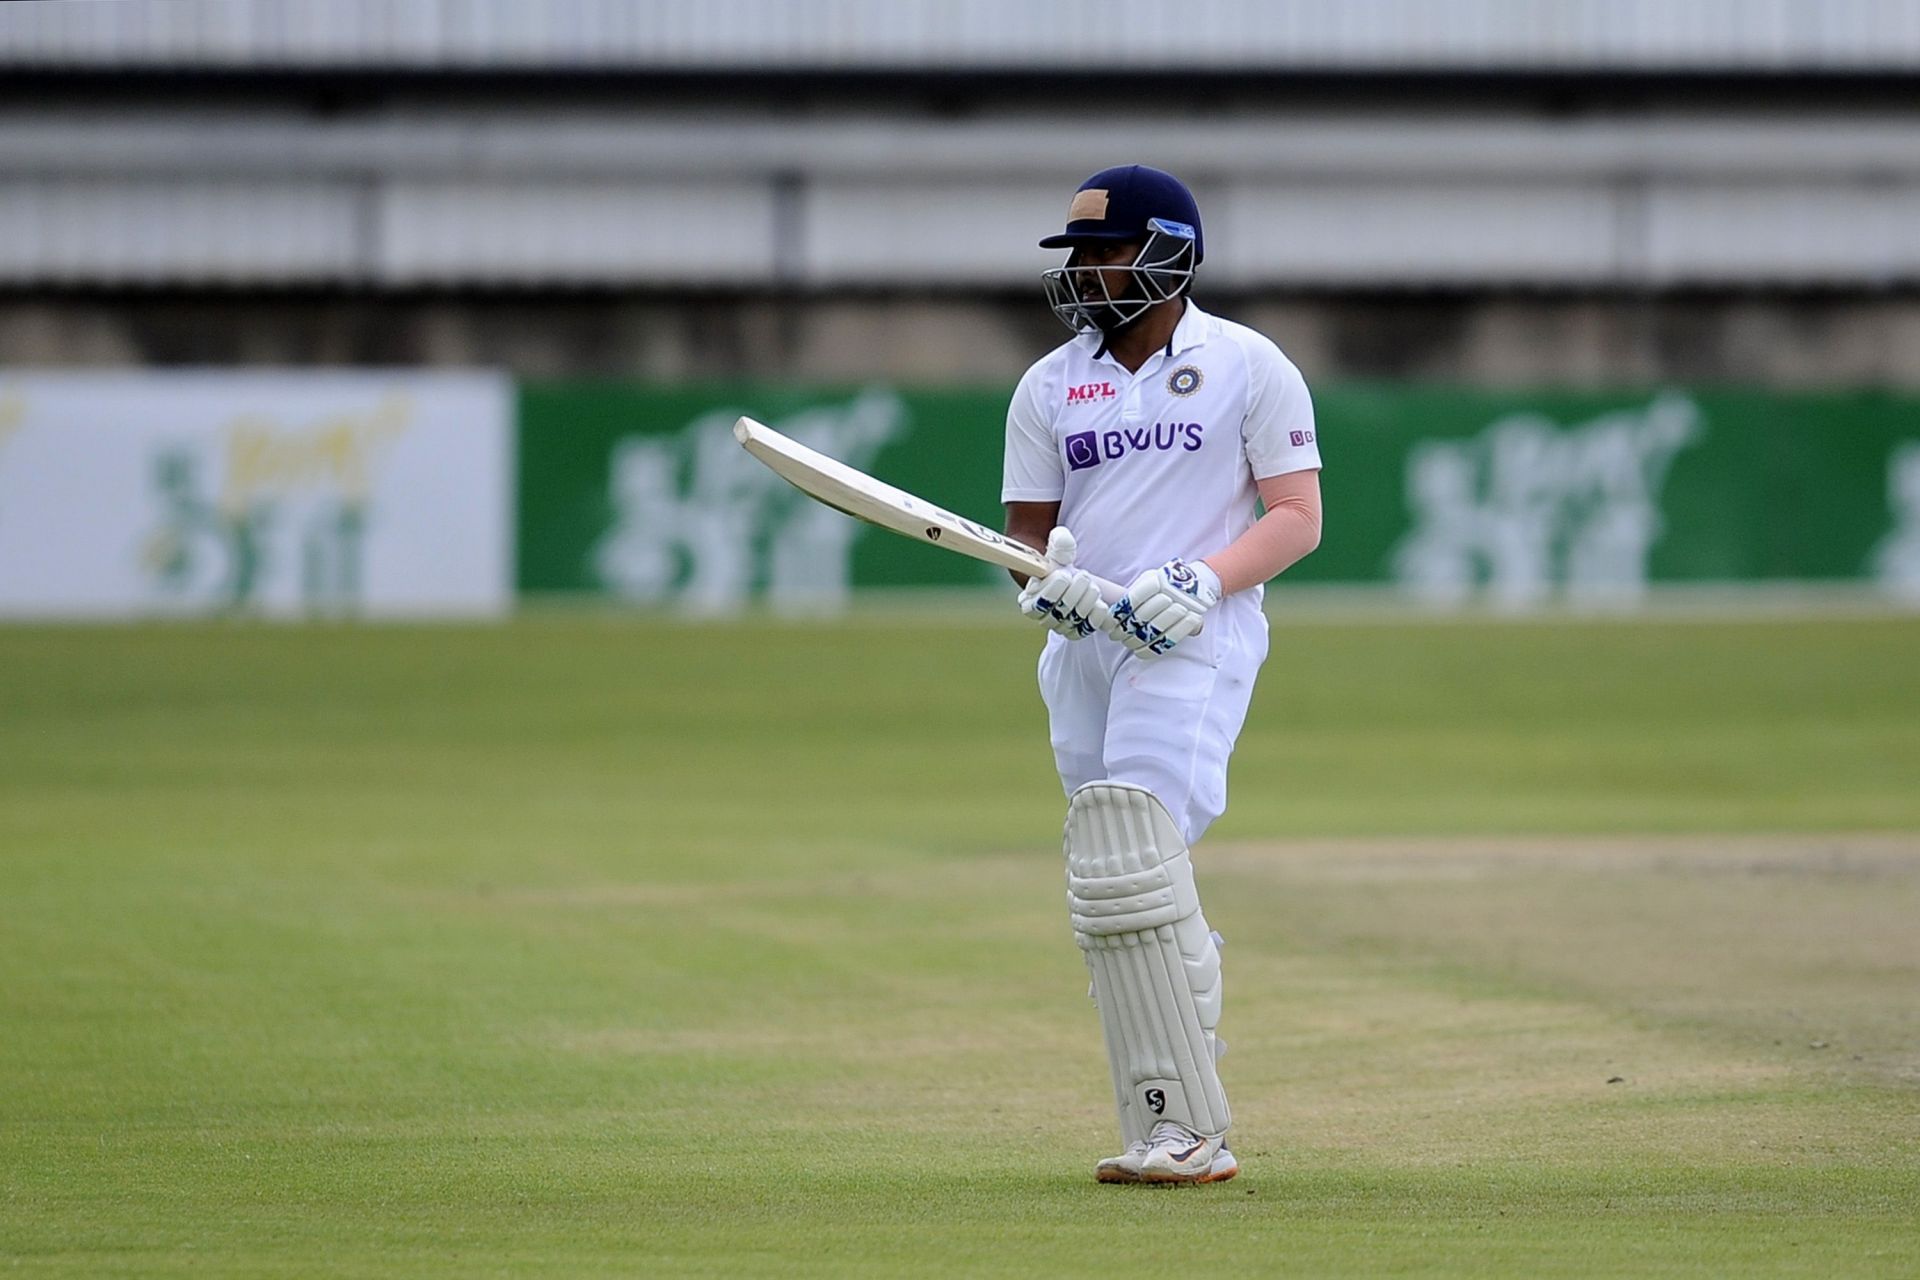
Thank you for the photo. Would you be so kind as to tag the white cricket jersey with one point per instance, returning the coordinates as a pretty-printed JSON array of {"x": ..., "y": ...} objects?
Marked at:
[{"x": 1158, "y": 464}]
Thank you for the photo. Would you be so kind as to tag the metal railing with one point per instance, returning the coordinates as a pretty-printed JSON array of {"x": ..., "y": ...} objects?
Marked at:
[{"x": 218, "y": 195}]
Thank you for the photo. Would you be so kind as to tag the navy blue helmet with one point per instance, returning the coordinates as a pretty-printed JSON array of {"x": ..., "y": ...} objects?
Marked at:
[{"x": 1127, "y": 203}]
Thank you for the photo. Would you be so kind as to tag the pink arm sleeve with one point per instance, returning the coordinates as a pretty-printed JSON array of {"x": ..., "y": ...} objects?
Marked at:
[{"x": 1286, "y": 533}]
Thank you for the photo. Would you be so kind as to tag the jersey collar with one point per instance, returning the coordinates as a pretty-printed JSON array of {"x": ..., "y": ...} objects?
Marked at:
[{"x": 1190, "y": 332}]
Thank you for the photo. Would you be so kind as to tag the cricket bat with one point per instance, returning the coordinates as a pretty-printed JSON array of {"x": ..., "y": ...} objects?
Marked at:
[{"x": 861, "y": 496}]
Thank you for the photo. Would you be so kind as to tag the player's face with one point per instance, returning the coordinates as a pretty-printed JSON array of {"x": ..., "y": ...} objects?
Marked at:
[
  {"x": 1118, "y": 284},
  {"x": 1104, "y": 285}
]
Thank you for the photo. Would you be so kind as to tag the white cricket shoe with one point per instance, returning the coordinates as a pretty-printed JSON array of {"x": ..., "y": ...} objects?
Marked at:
[
  {"x": 1124, "y": 1167},
  {"x": 1176, "y": 1153}
]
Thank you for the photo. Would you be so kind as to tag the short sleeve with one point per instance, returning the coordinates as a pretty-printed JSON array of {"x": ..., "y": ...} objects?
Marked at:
[
  {"x": 1278, "y": 432},
  {"x": 1031, "y": 470}
]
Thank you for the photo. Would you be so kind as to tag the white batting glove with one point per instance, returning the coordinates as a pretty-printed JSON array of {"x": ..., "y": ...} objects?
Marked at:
[
  {"x": 1065, "y": 600},
  {"x": 1163, "y": 606}
]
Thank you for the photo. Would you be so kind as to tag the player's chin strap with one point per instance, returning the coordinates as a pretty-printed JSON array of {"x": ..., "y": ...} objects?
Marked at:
[{"x": 1155, "y": 964}]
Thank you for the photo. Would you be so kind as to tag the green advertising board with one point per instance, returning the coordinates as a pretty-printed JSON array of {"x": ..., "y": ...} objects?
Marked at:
[
  {"x": 1521, "y": 495},
  {"x": 640, "y": 492},
  {"x": 643, "y": 493}
]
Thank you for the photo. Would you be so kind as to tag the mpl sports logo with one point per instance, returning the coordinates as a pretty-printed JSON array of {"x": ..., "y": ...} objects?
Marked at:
[
  {"x": 1090, "y": 393},
  {"x": 1091, "y": 448}
]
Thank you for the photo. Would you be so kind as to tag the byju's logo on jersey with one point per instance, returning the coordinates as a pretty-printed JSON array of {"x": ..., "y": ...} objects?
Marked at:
[
  {"x": 1091, "y": 448},
  {"x": 1089, "y": 392}
]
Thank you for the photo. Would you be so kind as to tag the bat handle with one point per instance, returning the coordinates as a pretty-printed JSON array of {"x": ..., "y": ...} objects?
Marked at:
[{"x": 1110, "y": 592}]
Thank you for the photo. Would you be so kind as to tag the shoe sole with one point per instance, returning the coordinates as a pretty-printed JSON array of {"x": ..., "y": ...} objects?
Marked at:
[{"x": 1223, "y": 1168}]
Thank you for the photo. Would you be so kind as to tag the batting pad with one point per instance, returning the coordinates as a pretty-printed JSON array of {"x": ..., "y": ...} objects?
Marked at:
[{"x": 1156, "y": 969}]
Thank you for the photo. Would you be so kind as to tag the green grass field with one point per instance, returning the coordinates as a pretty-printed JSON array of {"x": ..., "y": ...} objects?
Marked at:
[{"x": 585, "y": 946}]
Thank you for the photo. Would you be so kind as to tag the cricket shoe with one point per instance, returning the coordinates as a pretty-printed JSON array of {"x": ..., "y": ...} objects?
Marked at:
[
  {"x": 1176, "y": 1153},
  {"x": 1124, "y": 1167}
]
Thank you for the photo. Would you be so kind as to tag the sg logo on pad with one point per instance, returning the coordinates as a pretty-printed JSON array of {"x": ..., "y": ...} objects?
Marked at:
[{"x": 1156, "y": 1101}]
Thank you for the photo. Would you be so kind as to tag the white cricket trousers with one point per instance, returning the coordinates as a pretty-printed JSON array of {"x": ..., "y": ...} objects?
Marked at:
[{"x": 1168, "y": 723}]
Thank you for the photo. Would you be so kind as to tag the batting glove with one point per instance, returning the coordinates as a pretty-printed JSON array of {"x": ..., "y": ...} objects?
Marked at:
[
  {"x": 1163, "y": 606},
  {"x": 1065, "y": 600}
]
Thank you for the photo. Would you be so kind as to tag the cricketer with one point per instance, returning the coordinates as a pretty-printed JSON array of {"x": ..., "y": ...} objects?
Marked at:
[{"x": 1145, "y": 450}]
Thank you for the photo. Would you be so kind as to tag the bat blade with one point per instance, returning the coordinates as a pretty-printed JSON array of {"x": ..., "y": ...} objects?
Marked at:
[{"x": 859, "y": 495}]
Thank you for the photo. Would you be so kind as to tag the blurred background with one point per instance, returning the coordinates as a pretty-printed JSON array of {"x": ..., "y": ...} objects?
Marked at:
[{"x": 443, "y": 307}]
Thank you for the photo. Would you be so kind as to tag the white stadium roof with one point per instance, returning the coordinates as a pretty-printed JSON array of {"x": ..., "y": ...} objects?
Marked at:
[{"x": 841, "y": 35}]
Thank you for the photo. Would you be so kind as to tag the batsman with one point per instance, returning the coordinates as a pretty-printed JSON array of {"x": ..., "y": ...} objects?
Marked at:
[{"x": 1173, "y": 451}]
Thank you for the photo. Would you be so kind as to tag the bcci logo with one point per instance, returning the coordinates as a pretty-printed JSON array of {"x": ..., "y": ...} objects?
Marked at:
[
  {"x": 1185, "y": 380},
  {"x": 1157, "y": 1101}
]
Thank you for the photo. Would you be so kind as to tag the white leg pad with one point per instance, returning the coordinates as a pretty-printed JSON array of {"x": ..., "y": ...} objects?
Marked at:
[{"x": 1156, "y": 969}]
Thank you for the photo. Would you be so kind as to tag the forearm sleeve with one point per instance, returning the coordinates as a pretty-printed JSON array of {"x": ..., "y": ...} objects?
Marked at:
[{"x": 1285, "y": 534}]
